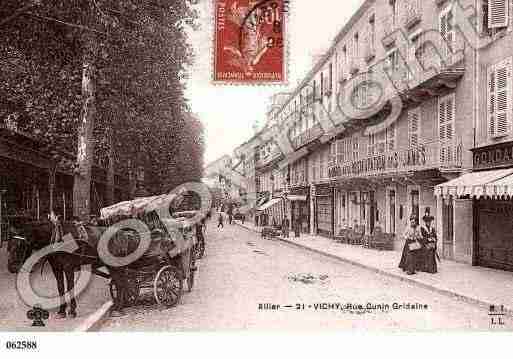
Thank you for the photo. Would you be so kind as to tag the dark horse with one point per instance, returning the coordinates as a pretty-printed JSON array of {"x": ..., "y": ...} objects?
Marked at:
[{"x": 27, "y": 238}]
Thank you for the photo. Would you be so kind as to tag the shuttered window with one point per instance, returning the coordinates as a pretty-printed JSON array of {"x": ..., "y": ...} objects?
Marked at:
[
  {"x": 414, "y": 127},
  {"x": 498, "y": 13},
  {"x": 499, "y": 99},
  {"x": 446, "y": 120},
  {"x": 446, "y": 115},
  {"x": 446, "y": 28},
  {"x": 390, "y": 134}
]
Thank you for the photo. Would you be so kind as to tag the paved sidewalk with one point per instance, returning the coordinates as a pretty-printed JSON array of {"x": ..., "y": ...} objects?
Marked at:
[
  {"x": 477, "y": 285},
  {"x": 13, "y": 311}
]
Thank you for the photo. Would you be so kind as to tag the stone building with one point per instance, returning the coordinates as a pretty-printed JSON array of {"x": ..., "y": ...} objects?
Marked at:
[{"x": 405, "y": 100}]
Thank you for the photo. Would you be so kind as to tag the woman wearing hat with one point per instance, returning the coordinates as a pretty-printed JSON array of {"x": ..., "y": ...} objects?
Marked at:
[
  {"x": 428, "y": 244},
  {"x": 412, "y": 247}
]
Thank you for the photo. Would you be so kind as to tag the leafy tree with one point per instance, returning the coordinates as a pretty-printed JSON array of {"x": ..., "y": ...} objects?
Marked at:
[{"x": 104, "y": 79}]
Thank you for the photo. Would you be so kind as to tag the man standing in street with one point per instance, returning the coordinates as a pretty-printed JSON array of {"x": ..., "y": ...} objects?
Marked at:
[{"x": 220, "y": 220}]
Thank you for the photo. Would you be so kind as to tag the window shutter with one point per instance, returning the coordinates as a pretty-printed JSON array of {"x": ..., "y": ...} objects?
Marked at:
[
  {"x": 413, "y": 127},
  {"x": 446, "y": 119},
  {"x": 498, "y": 13},
  {"x": 449, "y": 111},
  {"x": 503, "y": 97},
  {"x": 391, "y": 137},
  {"x": 381, "y": 146}
]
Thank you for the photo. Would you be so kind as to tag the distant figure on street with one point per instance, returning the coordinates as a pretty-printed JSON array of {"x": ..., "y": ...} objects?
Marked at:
[
  {"x": 230, "y": 218},
  {"x": 285, "y": 227},
  {"x": 220, "y": 220},
  {"x": 243, "y": 218}
]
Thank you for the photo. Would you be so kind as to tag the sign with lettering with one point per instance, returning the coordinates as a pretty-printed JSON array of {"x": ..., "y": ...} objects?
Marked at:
[
  {"x": 500, "y": 155},
  {"x": 324, "y": 191}
]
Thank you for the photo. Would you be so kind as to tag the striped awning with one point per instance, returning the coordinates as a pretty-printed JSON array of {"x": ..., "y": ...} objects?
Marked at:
[
  {"x": 493, "y": 184},
  {"x": 293, "y": 197},
  {"x": 269, "y": 204}
]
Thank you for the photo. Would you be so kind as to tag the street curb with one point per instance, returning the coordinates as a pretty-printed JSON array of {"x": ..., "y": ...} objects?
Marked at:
[
  {"x": 94, "y": 321},
  {"x": 445, "y": 292}
]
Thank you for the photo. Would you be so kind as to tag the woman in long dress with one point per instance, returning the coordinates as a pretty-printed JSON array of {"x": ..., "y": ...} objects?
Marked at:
[
  {"x": 410, "y": 258},
  {"x": 428, "y": 244}
]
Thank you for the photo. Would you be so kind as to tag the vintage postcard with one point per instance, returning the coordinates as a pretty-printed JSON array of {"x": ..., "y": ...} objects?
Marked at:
[{"x": 255, "y": 165}]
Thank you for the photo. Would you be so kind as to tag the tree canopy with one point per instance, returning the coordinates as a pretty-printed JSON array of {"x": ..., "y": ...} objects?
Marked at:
[{"x": 138, "y": 53}]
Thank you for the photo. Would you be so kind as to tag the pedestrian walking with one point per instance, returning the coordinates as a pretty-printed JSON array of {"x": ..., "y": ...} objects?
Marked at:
[
  {"x": 429, "y": 253},
  {"x": 410, "y": 257},
  {"x": 243, "y": 218},
  {"x": 230, "y": 218},
  {"x": 285, "y": 227},
  {"x": 220, "y": 220}
]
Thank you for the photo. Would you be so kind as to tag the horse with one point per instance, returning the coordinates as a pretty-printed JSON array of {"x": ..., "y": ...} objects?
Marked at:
[{"x": 27, "y": 238}]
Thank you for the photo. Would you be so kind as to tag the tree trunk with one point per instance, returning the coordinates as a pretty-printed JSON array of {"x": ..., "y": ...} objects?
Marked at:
[
  {"x": 85, "y": 151},
  {"x": 110, "y": 171}
]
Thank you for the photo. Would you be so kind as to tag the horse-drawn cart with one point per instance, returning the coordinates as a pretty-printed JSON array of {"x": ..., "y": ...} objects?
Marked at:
[
  {"x": 164, "y": 267},
  {"x": 166, "y": 262}
]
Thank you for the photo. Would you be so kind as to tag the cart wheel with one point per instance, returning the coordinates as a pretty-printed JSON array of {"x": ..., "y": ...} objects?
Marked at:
[
  {"x": 168, "y": 286},
  {"x": 192, "y": 273}
]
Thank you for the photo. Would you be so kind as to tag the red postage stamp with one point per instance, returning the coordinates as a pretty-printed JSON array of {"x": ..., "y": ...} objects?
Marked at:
[{"x": 249, "y": 41}]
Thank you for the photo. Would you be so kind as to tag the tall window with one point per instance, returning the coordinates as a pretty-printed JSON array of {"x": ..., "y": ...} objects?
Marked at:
[
  {"x": 495, "y": 16},
  {"x": 372, "y": 34},
  {"x": 446, "y": 119},
  {"x": 446, "y": 28},
  {"x": 356, "y": 50},
  {"x": 499, "y": 98},
  {"x": 393, "y": 8},
  {"x": 414, "y": 117},
  {"x": 356, "y": 149}
]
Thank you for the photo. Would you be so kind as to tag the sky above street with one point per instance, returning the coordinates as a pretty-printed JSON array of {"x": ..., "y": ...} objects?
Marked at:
[{"x": 229, "y": 112}]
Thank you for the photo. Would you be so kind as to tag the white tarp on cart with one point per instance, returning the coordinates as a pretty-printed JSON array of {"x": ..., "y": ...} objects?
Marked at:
[{"x": 138, "y": 205}]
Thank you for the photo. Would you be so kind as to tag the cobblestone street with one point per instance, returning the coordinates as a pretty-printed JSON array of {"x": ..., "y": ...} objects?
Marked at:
[{"x": 241, "y": 271}]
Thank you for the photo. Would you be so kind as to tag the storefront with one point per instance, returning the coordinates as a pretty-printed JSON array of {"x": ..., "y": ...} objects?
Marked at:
[
  {"x": 483, "y": 209},
  {"x": 299, "y": 208},
  {"x": 33, "y": 183},
  {"x": 324, "y": 210}
]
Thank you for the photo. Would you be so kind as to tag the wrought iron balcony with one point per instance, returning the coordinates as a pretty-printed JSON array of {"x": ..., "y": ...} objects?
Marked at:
[
  {"x": 433, "y": 155},
  {"x": 307, "y": 136},
  {"x": 264, "y": 161}
]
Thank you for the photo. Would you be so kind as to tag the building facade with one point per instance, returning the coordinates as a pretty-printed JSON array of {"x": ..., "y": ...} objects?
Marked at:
[{"x": 454, "y": 88}]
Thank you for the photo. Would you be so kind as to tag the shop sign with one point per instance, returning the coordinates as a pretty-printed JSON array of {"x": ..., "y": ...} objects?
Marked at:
[
  {"x": 388, "y": 161},
  {"x": 323, "y": 191},
  {"x": 299, "y": 191},
  {"x": 500, "y": 155}
]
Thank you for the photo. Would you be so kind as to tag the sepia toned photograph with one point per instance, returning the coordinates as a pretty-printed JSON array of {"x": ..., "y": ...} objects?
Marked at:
[{"x": 243, "y": 166}]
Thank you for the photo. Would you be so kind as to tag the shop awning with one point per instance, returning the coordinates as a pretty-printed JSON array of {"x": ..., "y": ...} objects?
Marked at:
[
  {"x": 296, "y": 198},
  {"x": 269, "y": 204},
  {"x": 494, "y": 183}
]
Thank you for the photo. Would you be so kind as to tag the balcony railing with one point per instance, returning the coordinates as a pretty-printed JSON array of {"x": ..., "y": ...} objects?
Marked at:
[
  {"x": 268, "y": 159},
  {"x": 308, "y": 136},
  {"x": 445, "y": 156},
  {"x": 412, "y": 13}
]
